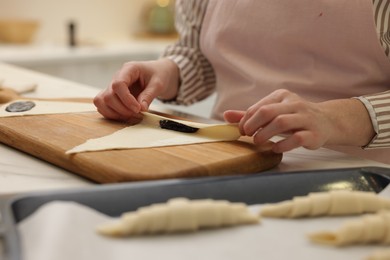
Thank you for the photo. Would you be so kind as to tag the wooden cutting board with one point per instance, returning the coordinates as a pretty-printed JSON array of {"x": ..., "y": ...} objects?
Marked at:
[{"x": 49, "y": 136}]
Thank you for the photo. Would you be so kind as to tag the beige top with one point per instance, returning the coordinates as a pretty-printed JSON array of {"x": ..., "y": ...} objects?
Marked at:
[{"x": 320, "y": 50}]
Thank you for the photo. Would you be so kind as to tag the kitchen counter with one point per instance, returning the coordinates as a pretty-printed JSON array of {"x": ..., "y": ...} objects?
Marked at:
[
  {"x": 92, "y": 64},
  {"x": 31, "y": 55},
  {"x": 21, "y": 172}
]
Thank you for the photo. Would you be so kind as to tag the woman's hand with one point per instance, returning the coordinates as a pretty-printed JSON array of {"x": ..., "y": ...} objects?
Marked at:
[
  {"x": 134, "y": 88},
  {"x": 307, "y": 124}
]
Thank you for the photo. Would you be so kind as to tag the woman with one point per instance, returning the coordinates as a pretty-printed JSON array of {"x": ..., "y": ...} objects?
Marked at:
[{"x": 278, "y": 66}]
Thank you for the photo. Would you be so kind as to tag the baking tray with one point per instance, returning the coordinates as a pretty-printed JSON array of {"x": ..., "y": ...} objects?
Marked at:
[{"x": 114, "y": 199}]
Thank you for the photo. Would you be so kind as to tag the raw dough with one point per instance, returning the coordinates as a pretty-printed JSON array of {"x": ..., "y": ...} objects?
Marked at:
[
  {"x": 365, "y": 230},
  {"x": 327, "y": 203},
  {"x": 49, "y": 107},
  {"x": 180, "y": 215},
  {"x": 19, "y": 85},
  {"x": 383, "y": 254},
  {"x": 149, "y": 134}
]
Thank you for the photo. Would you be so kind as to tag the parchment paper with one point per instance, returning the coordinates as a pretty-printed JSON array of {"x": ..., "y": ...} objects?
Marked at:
[{"x": 66, "y": 230}]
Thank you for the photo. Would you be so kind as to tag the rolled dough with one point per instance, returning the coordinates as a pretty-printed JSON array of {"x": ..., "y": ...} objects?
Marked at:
[
  {"x": 180, "y": 215},
  {"x": 365, "y": 230},
  {"x": 333, "y": 203}
]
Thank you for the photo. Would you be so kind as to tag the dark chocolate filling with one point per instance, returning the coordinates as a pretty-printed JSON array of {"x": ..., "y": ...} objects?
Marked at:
[
  {"x": 20, "y": 106},
  {"x": 175, "y": 126}
]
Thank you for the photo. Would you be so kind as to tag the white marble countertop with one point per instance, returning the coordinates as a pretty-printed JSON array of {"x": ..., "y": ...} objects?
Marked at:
[{"x": 20, "y": 172}]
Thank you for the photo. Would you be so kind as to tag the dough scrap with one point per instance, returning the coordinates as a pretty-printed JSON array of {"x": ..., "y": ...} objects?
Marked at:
[
  {"x": 327, "y": 203},
  {"x": 368, "y": 229},
  {"x": 148, "y": 134},
  {"x": 179, "y": 215},
  {"x": 383, "y": 254},
  {"x": 48, "y": 107},
  {"x": 20, "y": 86}
]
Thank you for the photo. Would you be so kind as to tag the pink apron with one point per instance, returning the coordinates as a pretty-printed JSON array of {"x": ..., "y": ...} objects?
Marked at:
[{"x": 322, "y": 49}]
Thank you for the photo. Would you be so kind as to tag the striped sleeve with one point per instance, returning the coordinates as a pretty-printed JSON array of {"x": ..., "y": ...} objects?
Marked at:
[
  {"x": 378, "y": 105},
  {"x": 197, "y": 78},
  {"x": 381, "y": 16}
]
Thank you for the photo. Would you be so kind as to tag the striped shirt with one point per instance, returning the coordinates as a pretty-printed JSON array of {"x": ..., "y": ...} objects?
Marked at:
[
  {"x": 382, "y": 16},
  {"x": 198, "y": 78}
]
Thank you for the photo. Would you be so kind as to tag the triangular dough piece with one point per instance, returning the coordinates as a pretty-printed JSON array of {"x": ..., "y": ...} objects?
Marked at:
[
  {"x": 49, "y": 107},
  {"x": 148, "y": 134}
]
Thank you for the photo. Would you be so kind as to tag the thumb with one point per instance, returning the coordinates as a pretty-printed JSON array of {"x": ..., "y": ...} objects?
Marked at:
[
  {"x": 146, "y": 97},
  {"x": 233, "y": 116}
]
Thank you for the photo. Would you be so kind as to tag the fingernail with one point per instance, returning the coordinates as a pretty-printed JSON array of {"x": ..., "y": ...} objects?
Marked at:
[{"x": 144, "y": 105}]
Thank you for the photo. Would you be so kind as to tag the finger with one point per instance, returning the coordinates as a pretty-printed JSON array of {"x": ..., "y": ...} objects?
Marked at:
[
  {"x": 233, "y": 116},
  {"x": 298, "y": 139},
  {"x": 109, "y": 99},
  {"x": 109, "y": 105},
  {"x": 125, "y": 97},
  {"x": 101, "y": 106},
  {"x": 264, "y": 115},
  {"x": 122, "y": 83},
  {"x": 280, "y": 125},
  {"x": 276, "y": 97},
  {"x": 151, "y": 91},
  {"x": 109, "y": 113}
]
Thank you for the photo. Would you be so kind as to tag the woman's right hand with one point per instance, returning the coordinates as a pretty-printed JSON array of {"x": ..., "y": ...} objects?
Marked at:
[
  {"x": 135, "y": 86},
  {"x": 304, "y": 123}
]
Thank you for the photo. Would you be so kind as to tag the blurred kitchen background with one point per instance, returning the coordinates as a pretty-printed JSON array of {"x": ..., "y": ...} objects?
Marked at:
[{"x": 86, "y": 41}]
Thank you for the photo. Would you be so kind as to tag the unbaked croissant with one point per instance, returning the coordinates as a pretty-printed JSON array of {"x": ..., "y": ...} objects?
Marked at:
[
  {"x": 365, "y": 230},
  {"x": 180, "y": 215},
  {"x": 327, "y": 203}
]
